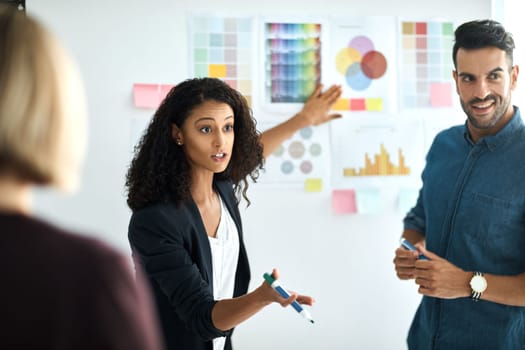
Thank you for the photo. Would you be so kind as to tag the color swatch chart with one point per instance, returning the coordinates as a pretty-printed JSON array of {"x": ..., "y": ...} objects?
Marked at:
[
  {"x": 426, "y": 64},
  {"x": 293, "y": 61},
  {"x": 222, "y": 47}
]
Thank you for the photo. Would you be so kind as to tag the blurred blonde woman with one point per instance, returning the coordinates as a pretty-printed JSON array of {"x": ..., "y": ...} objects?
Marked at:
[{"x": 59, "y": 290}]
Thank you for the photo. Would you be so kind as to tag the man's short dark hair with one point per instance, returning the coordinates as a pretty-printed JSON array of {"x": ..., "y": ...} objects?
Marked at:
[{"x": 483, "y": 33}]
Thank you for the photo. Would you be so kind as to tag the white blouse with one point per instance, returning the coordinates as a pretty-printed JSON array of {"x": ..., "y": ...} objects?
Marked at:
[{"x": 225, "y": 255}]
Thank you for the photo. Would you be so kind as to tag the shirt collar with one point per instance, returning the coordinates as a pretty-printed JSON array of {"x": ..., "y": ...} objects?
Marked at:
[{"x": 493, "y": 141}]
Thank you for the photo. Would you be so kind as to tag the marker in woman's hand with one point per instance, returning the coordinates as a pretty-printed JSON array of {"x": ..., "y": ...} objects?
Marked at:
[{"x": 277, "y": 286}]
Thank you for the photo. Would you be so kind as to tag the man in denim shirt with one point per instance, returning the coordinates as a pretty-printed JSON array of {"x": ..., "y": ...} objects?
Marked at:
[{"x": 469, "y": 219}]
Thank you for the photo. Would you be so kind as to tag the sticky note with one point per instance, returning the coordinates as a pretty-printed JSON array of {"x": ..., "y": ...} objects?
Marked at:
[
  {"x": 406, "y": 199},
  {"x": 313, "y": 185},
  {"x": 343, "y": 201},
  {"x": 368, "y": 201},
  {"x": 164, "y": 89},
  {"x": 146, "y": 95},
  {"x": 149, "y": 95}
]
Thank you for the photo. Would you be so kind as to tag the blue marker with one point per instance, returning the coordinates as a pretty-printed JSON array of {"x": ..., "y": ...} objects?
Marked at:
[
  {"x": 410, "y": 246},
  {"x": 277, "y": 286}
]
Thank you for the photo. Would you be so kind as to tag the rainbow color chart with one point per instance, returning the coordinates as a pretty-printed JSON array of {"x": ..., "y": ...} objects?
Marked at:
[
  {"x": 293, "y": 61},
  {"x": 222, "y": 48},
  {"x": 426, "y": 64}
]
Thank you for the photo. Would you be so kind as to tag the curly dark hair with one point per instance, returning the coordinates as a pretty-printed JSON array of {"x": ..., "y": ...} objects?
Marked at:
[
  {"x": 160, "y": 171},
  {"x": 483, "y": 33}
]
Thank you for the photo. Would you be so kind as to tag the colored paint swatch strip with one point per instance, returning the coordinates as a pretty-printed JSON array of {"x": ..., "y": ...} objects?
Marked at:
[{"x": 293, "y": 56}]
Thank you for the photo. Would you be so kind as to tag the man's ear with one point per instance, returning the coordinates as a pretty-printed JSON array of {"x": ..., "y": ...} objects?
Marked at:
[
  {"x": 455, "y": 76},
  {"x": 514, "y": 76}
]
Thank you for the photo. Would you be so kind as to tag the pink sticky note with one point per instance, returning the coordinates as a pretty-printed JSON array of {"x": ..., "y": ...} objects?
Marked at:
[
  {"x": 440, "y": 94},
  {"x": 164, "y": 89},
  {"x": 343, "y": 201},
  {"x": 146, "y": 95}
]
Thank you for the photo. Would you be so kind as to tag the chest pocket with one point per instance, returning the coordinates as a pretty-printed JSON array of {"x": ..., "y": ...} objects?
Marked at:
[
  {"x": 489, "y": 232},
  {"x": 484, "y": 217}
]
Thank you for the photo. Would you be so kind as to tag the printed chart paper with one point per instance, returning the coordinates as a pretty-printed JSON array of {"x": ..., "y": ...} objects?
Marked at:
[
  {"x": 365, "y": 152},
  {"x": 292, "y": 61},
  {"x": 425, "y": 77},
  {"x": 223, "y": 47},
  {"x": 362, "y": 60},
  {"x": 301, "y": 162}
]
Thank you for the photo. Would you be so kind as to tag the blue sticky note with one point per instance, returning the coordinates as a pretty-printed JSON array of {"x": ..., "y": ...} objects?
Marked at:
[
  {"x": 407, "y": 199},
  {"x": 368, "y": 201}
]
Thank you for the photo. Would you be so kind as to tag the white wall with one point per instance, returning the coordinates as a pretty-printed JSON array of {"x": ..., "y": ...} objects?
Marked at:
[
  {"x": 345, "y": 262},
  {"x": 514, "y": 23}
]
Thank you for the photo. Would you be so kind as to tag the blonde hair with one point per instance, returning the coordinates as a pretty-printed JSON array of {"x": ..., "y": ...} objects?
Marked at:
[{"x": 42, "y": 105}]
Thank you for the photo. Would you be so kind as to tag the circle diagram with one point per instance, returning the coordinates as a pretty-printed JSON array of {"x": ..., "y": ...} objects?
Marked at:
[
  {"x": 360, "y": 63},
  {"x": 298, "y": 156}
]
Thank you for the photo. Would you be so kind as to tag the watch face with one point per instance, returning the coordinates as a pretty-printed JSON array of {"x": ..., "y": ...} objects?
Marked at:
[{"x": 478, "y": 284}]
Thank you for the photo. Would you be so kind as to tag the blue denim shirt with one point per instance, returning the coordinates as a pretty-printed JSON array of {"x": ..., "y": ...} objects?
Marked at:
[{"x": 471, "y": 210}]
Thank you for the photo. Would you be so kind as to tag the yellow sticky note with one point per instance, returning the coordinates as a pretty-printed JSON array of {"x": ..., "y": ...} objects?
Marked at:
[{"x": 313, "y": 185}]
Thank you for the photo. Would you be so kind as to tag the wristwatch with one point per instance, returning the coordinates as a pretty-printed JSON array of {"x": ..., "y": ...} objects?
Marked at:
[{"x": 478, "y": 284}]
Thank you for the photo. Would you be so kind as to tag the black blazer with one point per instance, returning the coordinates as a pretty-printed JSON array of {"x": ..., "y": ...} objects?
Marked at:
[{"x": 171, "y": 243}]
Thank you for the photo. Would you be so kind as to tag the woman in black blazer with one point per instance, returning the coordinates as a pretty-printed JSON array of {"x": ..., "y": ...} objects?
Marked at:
[{"x": 184, "y": 183}]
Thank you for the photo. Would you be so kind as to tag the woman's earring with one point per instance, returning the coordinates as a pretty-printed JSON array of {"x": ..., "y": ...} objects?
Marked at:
[{"x": 179, "y": 142}]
